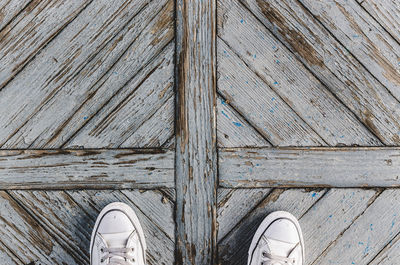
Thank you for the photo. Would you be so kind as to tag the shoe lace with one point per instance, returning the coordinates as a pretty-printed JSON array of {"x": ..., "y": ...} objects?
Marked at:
[
  {"x": 124, "y": 253},
  {"x": 269, "y": 259}
]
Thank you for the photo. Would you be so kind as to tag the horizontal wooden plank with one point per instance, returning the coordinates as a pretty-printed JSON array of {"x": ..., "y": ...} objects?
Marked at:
[
  {"x": 313, "y": 166},
  {"x": 96, "y": 168}
]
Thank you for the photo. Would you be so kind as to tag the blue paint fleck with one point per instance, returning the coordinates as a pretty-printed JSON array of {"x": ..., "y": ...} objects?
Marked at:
[
  {"x": 223, "y": 102},
  {"x": 225, "y": 52},
  {"x": 255, "y": 56},
  {"x": 276, "y": 82},
  {"x": 272, "y": 98},
  {"x": 241, "y": 21},
  {"x": 246, "y": 82},
  {"x": 277, "y": 61},
  {"x": 314, "y": 194},
  {"x": 370, "y": 227},
  {"x": 223, "y": 113},
  {"x": 238, "y": 124},
  {"x": 257, "y": 165},
  {"x": 271, "y": 110},
  {"x": 342, "y": 136},
  {"x": 330, "y": 216},
  {"x": 85, "y": 118}
]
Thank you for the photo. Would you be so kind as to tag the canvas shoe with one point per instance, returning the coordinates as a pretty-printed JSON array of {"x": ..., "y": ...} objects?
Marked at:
[
  {"x": 277, "y": 241},
  {"x": 117, "y": 237}
]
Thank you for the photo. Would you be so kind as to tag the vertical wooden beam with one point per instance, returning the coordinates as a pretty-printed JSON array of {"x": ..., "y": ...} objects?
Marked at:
[{"x": 196, "y": 156}]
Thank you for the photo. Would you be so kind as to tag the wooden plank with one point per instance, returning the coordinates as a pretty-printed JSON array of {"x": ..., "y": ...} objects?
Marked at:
[
  {"x": 387, "y": 13},
  {"x": 330, "y": 216},
  {"x": 363, "y": 37},
  {"x": 156, "y": 130},
  {"x": 196, "y": 156},
  {"x": 97, "y": 39},
  {"x": 234, "y": 247},
  {"x": 233, "y": 206},
  {"x": 26, "y": 238},
  {"x": 233, "y": 130},
  {"x": 8, "y": 10},
  {"x": 100, "y": 80},
  {"x": 160, "y": 246},
  {"x": 371, "y": 232},
  {"x": 31, "y": 30},
  {"x": 331, "y": 63},
  {"x": 128, "y": 111},
  {"x": 69, "y": 169},
  {"x": 288, "y": 77},
  {"x": 265, "y": 109},
  {"x": 390, "y": 254},
  {"x": 304, "y": 167}
]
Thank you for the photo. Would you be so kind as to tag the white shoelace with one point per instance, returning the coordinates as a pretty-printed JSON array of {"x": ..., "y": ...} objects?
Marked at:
[
  {"x": 269, "y": 259},
  {"x": 114, "y": 253}
]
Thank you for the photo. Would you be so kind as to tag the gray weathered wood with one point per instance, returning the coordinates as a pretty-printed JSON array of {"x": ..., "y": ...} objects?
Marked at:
[
  {"x": 267, "y": 112},
  {"x": 363, "y": 37},
  {"x": 233, "y": 206},
  {"x": 85, "y": 74},
  {"x": 196, "y": 156},
  {"x": 330, "y": 216},
  {"x": 234, "y": 247},
  {"x": 306, "y": 167},
  {"x": 387, "y": 13},
  {"x": 288, "y": 77},
  {"x": 68, "y": 169},
  {"x": 8, "y": 10},
  {"x": 371, "y": 232},
  {"x": 331, "y": 63},
  {"x": 233, "y": 130},
  {"x": 26, "y": 238},
  {"x": 128, "y": 111},
  {"x": 31, "y": 30}
]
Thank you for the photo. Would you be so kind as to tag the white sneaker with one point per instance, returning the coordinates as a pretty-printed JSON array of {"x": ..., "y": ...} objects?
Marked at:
[
  {"x": 277, "y": 241},
  {"x": 117, "y": 237}
]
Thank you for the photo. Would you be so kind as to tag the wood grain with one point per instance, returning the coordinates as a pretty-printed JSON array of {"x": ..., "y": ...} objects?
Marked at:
[
  {"x": 196, "y": 156},
  {"x": 288, "y": 77},
  {"x": 8, "y": 10},
  {"x": 369, "y": 234},
  {"x": 70, "y": 169},
  {"x": 363, "y": 37},
  {"x": 306, "y": 167},
  {"x": 31, "y": 30},
  {"x": 233, "y": 248},
  {"x": 90, "y": 78},
  {"x": 387, "y": 13},
  {"x": 331, "y": 63}
]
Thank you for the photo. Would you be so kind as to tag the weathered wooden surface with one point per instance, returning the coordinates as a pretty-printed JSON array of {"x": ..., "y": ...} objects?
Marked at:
[
  {"x": 94, "y": 65},
  {"x": 59, "y": 224},
  {"x": 309, "y": 167},
  {"x": 9, "y": 9},
  {"x": 68, "y": 169},
  {"x": 272, "y": 62},
  {"x": 196, "y": 155},
  {"x": 331, "y": 63}
]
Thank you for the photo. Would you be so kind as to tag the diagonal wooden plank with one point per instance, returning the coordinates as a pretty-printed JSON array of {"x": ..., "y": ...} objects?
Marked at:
[
  {"x": 305, "y": 167},
  {"x": 8, "y": 10},
  {"x": 288, "y": 77},
  {"x": 196, "y": 143},
  {"x": 7, "y": 256},
  {"x": 69, "y": 169},
  {"x": 252, "y": 97},
  {"x": 27, "y": 240},
  {"x": 126, "y": 112},
  {"x": 390, "y": 254},
  {"x": 233, "y": 130},
  {"x": 368, "y": 234},
  {"x": 332, "y": 215},
  {"x": 234, "y": 204},
  {"x": 234, "y": 247},
  {"x": 31, "y": 30},
  {"x": 155, "y": 131},
  {"x": 331, "y": 63},
  {"x": 387, "y": 13},
  {"x": 160, "y": 246},
  {"x": 363, "y": 37},
  {"x": 101, "y": 78}
]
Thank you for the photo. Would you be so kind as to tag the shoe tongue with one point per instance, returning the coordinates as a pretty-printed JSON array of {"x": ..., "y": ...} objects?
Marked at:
[
  {"x": 277, "y": 247},
  {"x": 116, "y": 240}
]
